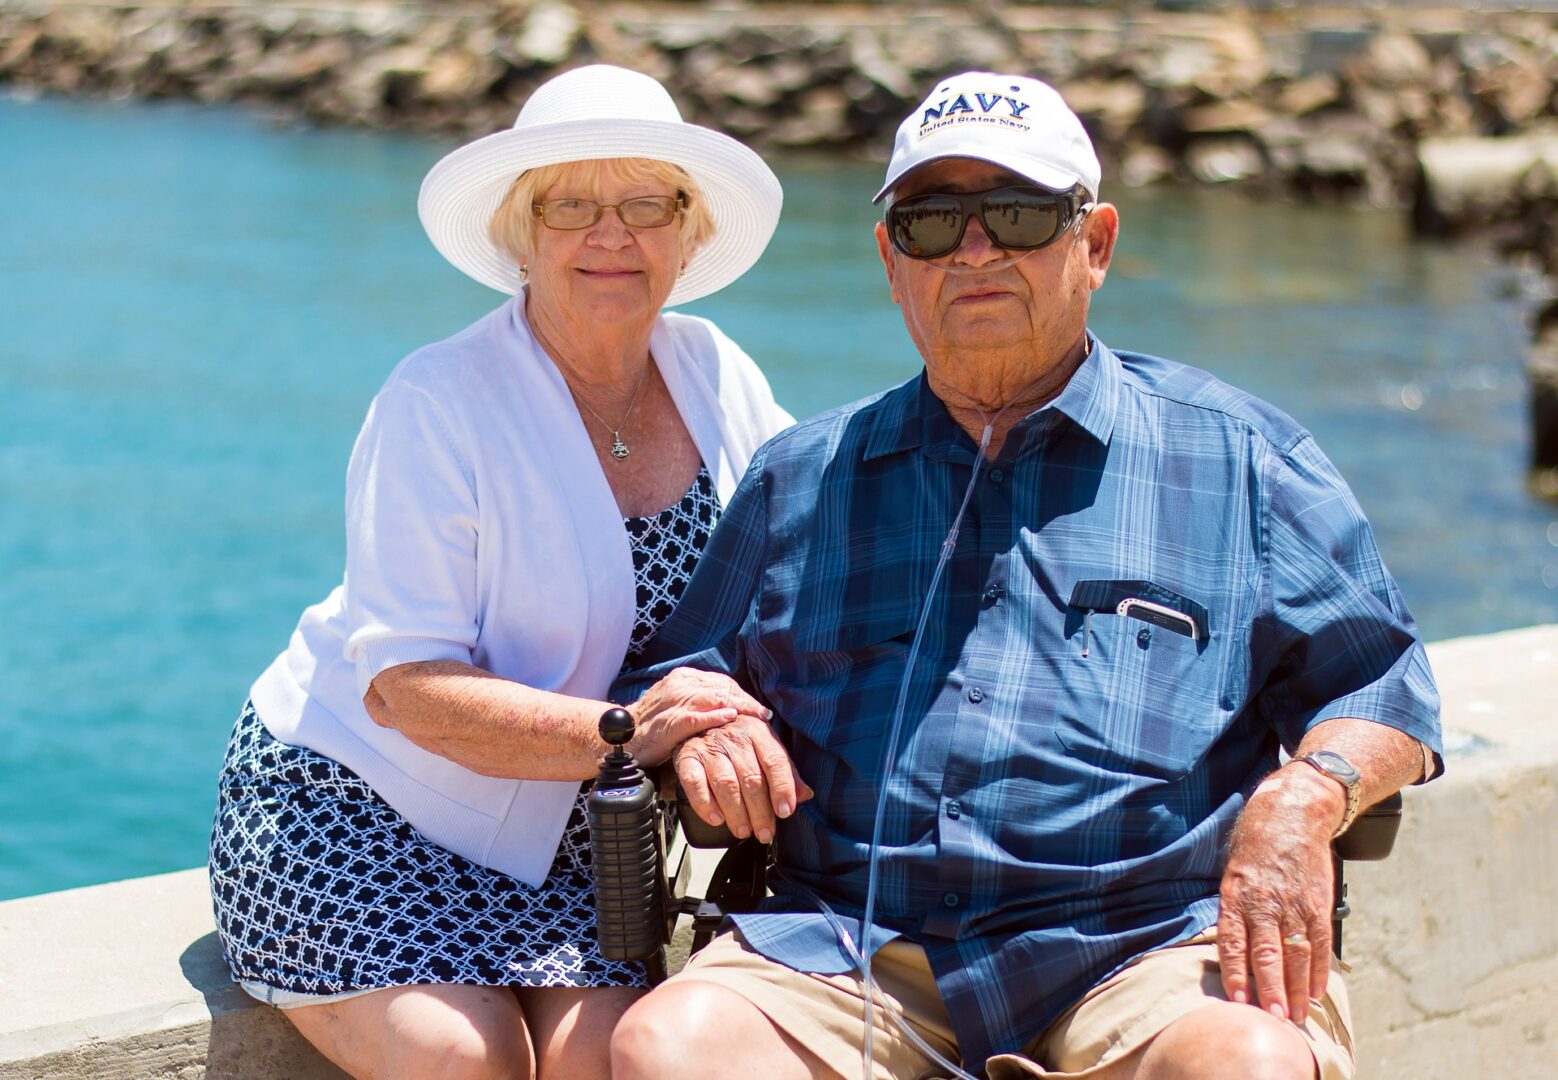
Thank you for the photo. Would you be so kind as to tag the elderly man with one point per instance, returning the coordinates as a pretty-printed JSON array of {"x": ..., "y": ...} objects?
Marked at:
[{"x": 1058, "y": 607}]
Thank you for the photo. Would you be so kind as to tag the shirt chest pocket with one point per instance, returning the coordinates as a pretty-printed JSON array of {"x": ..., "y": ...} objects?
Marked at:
[{"x": 1147, "y": 691}]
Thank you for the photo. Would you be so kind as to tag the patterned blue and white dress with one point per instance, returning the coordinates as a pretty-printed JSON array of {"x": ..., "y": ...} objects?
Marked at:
[{"x": 322, "y": 890}]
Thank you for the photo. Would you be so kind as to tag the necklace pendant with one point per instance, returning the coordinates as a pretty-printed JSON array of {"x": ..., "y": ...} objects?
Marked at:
[{"x": 619, "y": 449}]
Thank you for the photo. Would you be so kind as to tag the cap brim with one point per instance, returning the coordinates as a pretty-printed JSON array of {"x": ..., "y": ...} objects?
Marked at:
[
  {"x": 1041, "y": 173},
  {"x": 463, "y": 190}
]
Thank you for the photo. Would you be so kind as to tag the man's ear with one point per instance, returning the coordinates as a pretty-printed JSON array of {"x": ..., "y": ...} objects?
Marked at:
[
  {"x": 884, "y": 247},
  {"x": 1100, "y": 230}
]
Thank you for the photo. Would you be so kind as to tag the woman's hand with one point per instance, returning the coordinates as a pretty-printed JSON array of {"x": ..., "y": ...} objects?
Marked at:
[{"x": 685, "y": 703}]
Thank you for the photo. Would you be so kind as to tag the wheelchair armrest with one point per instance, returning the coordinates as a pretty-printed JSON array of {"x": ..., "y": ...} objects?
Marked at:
[
  {"x": 697, "y": 832},
  {"x": 1373, "y": 833}
]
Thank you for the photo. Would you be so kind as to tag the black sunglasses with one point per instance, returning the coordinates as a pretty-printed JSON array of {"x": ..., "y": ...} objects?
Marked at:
[{"x": 1019, "y": 217}]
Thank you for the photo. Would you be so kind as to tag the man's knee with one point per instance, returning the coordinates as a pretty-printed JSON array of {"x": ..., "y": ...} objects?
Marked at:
[
  {"x": 655, "y": 1036},
  {"x": 1223, "y": 1040},
  {"x": 679, "y": 1025}
]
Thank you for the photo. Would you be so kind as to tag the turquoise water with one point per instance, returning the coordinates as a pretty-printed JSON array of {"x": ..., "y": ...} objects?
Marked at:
[{"x": 197, "y": 308}]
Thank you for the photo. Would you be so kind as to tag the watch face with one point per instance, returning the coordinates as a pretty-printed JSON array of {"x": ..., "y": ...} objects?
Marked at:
[{"x": 1336, "y": 765}]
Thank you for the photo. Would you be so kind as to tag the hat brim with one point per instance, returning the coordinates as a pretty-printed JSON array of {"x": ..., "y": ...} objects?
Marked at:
[
  {"x": 463, "y": 190},
  {"x": 1041, "y": 173}
]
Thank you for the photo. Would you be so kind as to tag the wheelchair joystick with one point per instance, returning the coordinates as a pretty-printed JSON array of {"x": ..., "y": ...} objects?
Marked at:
[{"x": 626, "y": 849}]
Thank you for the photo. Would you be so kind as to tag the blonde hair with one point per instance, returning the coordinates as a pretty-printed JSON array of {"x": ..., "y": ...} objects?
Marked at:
[{"x": 513, "y": 225}]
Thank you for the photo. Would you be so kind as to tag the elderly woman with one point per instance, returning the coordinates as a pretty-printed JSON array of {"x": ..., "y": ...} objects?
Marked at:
[{"x": 400, "y": 855}]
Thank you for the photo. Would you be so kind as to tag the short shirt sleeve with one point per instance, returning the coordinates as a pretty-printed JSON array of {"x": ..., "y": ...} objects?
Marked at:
[
  {"x": 1345, "y": 644},
  {"x": 411, "y": 538}
]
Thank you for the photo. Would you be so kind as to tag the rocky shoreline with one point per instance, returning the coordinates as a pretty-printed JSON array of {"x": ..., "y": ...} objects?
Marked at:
[{"x": 1448, "y": 112}]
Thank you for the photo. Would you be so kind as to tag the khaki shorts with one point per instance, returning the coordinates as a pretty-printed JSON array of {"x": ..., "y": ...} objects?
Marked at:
[{"x": 822, "y": 1013}]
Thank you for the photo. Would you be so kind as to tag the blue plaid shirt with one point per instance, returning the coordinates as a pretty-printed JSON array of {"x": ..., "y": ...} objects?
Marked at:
[{"x": 1067, "y": 776}]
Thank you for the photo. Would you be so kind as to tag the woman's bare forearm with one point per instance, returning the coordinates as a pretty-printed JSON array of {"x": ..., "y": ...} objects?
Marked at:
[{"x": 489, "y": 724}]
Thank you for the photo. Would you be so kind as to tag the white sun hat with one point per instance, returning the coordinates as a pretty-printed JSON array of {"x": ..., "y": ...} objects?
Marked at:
[
  {"x": 1012, "y": 121},
  {"x": 594, "y": 112}
]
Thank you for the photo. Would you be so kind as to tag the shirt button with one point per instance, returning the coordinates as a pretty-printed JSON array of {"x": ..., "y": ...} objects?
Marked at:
[
  {"x": 976, "y": 695},
  {"x": 996, "y": 476},
  {"x": 1143, "y": 637},
  {"x": 954, "y": 809},
  {"x": 951, "y": 899},
  {"x": 992, "y": 594}
]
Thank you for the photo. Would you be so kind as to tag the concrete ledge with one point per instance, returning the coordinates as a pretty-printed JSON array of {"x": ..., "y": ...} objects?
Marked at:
[
  {"x": 1454, "y": 943},
  {"x": 127, "y": 980}
]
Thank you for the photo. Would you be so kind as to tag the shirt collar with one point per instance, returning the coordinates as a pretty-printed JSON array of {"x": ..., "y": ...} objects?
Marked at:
[
  {"x": 1092, "y": 396},
  {"x": 912, "y": 416}
]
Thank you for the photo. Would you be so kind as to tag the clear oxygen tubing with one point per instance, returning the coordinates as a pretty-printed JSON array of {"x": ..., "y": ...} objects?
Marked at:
[
  {"x": 862, "y": 957},
  {"x": 1012, "y": 259},
  {"x": 889, "y": 763},
  {"x": 855, "y": 957}
]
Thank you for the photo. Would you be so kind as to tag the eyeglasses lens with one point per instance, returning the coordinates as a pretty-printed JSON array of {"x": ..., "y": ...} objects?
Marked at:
[
  {"x": 647, "y": 212},
  {"x": 929, "y": 226}
]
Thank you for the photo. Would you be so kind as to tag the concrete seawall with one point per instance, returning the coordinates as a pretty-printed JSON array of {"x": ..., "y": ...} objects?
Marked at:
[{"x": 1453, "y": 944}]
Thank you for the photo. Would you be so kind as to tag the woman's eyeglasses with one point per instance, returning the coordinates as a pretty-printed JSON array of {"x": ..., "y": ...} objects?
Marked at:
[
  {"x": 644, "y": 212},
  {"x": 1019, "y": 218}
]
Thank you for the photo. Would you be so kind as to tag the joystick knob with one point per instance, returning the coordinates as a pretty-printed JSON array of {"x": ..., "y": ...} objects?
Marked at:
[{"x": 616, "y": 726}]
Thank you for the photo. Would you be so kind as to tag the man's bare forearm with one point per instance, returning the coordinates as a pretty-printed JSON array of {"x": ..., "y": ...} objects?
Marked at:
[{"x": 1387, "y": 760}]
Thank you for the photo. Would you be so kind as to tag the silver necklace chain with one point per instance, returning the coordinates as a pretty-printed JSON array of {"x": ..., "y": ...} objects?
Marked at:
[{"x": 619, "y": 449}]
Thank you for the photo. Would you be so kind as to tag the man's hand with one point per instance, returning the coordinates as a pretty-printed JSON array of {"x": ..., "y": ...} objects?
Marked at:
[
  {"x": 740, "y": 774},
  {"x": 1275, "y": 926}
]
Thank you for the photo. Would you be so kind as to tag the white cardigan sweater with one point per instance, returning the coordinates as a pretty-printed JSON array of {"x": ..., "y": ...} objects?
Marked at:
[{"x": 480, "y": 528}]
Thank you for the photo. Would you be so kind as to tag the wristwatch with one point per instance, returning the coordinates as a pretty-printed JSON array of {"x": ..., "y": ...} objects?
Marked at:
[{"x": 1343, "y": 772}]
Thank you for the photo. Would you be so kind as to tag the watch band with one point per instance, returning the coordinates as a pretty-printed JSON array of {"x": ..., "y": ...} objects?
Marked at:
[{"x": 1338, "y": 768}]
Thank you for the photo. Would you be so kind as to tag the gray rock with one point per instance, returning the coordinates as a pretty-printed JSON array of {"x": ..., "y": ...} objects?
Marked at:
[
  {"x": 1306, "y": 95},
  {"x": 83, "y": 34},
  {"x": 1392, "y": 59},
  {"x": 749, "y": 84},
  {"x": 819, "y": 122},
  {"x": 1179, "y": 64},
  {"x": 457, "y": 74},
  {"x": 1542, "y": 375},
  {"x": 790, "y": 72},
  {"x": 872, "y": 61},
  {"x": 1517, "y": 90},
  {"x": 1470, "y": 181},
  {"x": 1112, "y": 107},
  {"x": 1145, "y": 165},
  {"x": 1222, "y": 158},
  {"x": 1224, "y": 116},
  {"x": 285, "y": 68},
  {"x": 549, "y": 34},
  {"x": 1343, "y": 149},
  {"x": 677, "y": 35}
]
